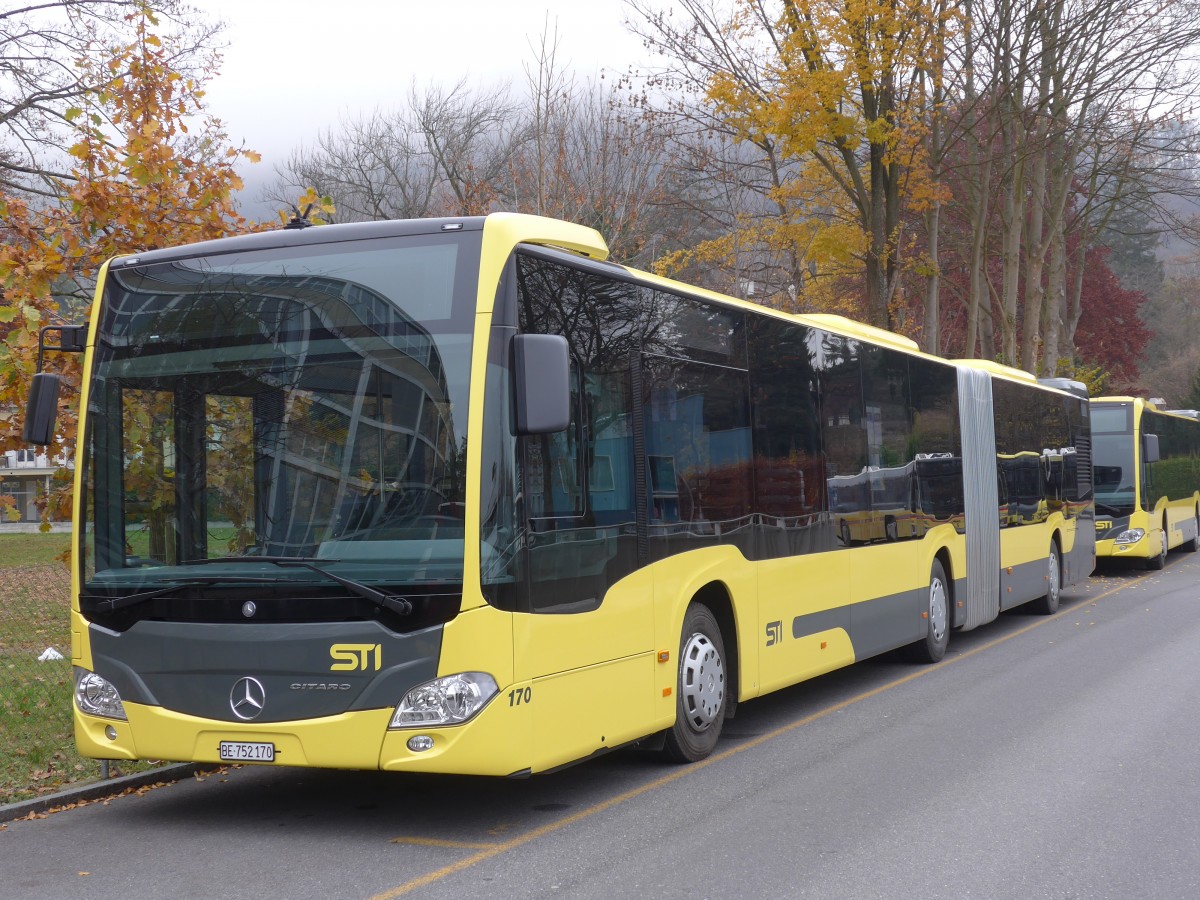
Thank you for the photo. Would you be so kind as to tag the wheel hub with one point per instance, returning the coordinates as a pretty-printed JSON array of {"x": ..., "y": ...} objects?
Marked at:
[
  {"x": 938, "y": 610},
  {"x": 702, "y": 682}
]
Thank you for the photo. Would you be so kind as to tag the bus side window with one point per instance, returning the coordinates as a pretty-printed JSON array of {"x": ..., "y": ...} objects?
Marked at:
[{"x": 554, "y": 467}]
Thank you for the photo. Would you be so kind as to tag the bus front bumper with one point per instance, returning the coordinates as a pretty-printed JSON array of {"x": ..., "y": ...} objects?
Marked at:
[
  {"x": 494, "y": 742},
  {"x": 1135, "y": 543}
]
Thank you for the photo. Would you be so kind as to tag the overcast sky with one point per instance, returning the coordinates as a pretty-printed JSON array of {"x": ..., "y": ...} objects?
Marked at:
[{"x": 292, "y": 67}]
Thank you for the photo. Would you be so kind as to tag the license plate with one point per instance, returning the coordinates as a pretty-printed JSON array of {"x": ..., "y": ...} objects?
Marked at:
[{"x": 241, "y": 751}]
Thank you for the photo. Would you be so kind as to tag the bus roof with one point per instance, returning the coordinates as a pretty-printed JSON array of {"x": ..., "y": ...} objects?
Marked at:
[{"x": 999, "y": 369}]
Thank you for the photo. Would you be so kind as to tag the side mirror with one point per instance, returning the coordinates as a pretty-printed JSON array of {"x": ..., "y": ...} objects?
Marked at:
[
  {"x": 1150, "y": 448},
  {"x": 541, "y": 370},
  {"x": 41, "y": 413}
]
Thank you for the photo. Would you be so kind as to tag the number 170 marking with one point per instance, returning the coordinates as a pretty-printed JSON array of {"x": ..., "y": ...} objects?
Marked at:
[{"x": 519, "y": 696}]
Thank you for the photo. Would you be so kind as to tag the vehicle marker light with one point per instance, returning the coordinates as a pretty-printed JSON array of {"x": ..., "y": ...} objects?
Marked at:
[
  {"x": 96, "y": 696},
  {"x": 664, "y": 656},
  {"x": 445, "y": 701},
  {"x": 420, "y": 743}
]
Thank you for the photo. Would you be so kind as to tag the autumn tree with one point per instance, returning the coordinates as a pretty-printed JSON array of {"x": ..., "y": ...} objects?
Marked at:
[
  {"x": 1067, "y": 116},
  {"x": 746, "y": 236},
  {"x": 836, "y": 92},
  {"x": 48, "y": 65},
  {"x": 146, "y": 167}
]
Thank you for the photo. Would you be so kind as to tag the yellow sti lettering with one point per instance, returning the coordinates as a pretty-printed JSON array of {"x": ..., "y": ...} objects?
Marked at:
[{"x": 352, "y": 657}]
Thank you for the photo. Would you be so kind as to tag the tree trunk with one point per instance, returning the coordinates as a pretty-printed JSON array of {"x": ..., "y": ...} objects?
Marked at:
[
  {"x": 931, "y": 337},
  {"x": 1075, "y": 296},
  {"x": 1035, "y": 255},
  {"x": 1055, "y": 305},
  {"x": 1014, "y": 226}
]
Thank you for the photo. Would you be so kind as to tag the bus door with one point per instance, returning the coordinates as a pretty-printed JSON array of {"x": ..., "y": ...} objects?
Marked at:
[{"x": 584, "y": 640}]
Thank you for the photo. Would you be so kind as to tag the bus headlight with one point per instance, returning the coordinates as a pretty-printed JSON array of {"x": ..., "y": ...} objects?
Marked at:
[
  {"x": 1132, "y": 536},
  {"x": 96, "y": 696},
  {"x": 445, "y": 701}
]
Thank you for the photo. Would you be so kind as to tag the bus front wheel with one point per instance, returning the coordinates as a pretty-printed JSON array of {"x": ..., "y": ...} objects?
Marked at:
[
  {"x": 701, "y": 684},
  {"x": 1159, "y": 560}
]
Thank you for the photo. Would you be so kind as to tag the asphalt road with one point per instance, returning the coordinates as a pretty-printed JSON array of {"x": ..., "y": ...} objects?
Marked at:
[{"x": 1044, "y": 758}]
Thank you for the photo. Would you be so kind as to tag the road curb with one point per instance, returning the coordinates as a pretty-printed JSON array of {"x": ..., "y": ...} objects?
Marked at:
[{"x": 97, "y": 790}]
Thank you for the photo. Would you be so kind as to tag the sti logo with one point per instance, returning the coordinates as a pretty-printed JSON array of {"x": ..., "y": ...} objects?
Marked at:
[
  {"x": 353, "y": 657},
  {"x": 774, "y": 633}
]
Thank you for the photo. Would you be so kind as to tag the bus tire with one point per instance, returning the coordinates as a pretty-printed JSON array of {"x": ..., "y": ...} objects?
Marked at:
[
  {"x": 932, "y": 647},
  {"x": 701, "y": 683},
  {"x": 1194, "y": 544},
  {"x": 1048, "y": 603},
  {"x": 1159, "y": 560}
]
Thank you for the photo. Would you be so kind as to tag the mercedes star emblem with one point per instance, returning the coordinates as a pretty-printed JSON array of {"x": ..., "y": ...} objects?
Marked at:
[{"x": 247, "y": 698}]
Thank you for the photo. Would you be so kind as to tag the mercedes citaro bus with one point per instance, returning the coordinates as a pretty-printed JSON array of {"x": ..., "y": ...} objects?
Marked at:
[
  {"x": 458, "y": 495},
  {"x": 1147, "y": 479}
]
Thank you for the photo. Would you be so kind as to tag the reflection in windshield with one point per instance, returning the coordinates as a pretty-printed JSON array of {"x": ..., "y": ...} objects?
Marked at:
[
  {"x": 300, "y": 403},
  {"x": 1114, "y": 473}
]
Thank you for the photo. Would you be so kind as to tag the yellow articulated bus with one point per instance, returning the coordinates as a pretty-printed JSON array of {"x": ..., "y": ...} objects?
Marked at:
[
  {"x": 1147, "y": 479},
  {"x": 459, "y": 495}
]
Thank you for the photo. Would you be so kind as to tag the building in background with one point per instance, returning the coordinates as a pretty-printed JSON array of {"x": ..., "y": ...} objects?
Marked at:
[{"x": 26, "y": 475}]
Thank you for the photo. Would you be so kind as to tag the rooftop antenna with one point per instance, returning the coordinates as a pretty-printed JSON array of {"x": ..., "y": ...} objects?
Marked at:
[{"x": 300, "y": 219}]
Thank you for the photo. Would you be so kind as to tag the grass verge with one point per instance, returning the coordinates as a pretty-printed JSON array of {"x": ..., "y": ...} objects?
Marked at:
[
  {"x": 19, "y": 550},
  {"x": 37, "y": 746}
]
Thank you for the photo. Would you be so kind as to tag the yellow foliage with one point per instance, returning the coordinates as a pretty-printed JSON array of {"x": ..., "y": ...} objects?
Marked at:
[
  {"x": 1095, "y": 378},
  {"x": 314, "y": 209},
  {"x": 131, "y": 189},
  {"x": 837, "y": 86}
]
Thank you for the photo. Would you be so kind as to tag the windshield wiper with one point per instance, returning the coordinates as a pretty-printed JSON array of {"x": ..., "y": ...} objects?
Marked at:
[
  {"x": 1113, "y": 510},
  {"x": 399, "y": 605},
  {"x": 112, "y": 604},
  {"x": 257, "y": 559}
]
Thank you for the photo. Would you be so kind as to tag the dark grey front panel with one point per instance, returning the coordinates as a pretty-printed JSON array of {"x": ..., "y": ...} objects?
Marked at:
[{"x": 194, "y": 668}]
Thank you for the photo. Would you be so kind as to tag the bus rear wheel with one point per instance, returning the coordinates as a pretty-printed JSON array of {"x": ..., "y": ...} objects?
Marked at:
[
  {"x": 1048, "y": 604},
  {"x": 932, "y": 647},
  {"x": 700, "y": 698}
]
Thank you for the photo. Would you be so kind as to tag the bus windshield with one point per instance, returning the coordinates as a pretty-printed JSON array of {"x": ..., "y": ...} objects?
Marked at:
[
  {"x": 307, "y": 402},
  {"x": 1112, "y": 458}
]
